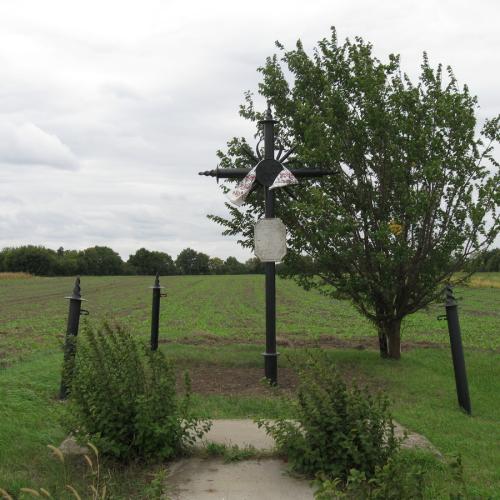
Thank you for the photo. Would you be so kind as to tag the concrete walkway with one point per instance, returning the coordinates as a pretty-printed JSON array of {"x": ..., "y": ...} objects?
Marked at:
[
  {"x": 242, "y": 433},
  {"x": 255, "y": 479},
  {"x": 246, "y": 433},
  {"x": 212, "y": 479}
]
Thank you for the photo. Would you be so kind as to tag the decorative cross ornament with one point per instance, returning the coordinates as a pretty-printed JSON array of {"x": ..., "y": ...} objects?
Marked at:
[{"x": 271, "y": 173}]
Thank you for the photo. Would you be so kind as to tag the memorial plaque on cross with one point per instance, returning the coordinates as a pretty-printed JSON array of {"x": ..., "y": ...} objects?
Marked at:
[
  {"x": 270, "y": 240},
  {"x": 271, "y": 173}
]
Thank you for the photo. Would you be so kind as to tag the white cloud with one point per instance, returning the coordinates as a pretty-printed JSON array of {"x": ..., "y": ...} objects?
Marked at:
[{"x": 26, "y": 144}]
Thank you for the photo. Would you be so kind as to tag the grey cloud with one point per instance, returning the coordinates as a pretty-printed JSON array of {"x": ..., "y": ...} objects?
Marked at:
[{"x": 141, "y": 102}]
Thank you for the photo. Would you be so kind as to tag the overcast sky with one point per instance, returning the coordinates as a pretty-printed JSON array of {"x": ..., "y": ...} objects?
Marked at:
[{"x": 109, "y": 109}]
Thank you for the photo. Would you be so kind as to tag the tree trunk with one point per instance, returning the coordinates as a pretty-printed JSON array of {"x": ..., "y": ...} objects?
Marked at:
[
  {"x": 389, "y": 335},
  {"x": 382, "y": 342},
  {"x": 395, "y": 343}
]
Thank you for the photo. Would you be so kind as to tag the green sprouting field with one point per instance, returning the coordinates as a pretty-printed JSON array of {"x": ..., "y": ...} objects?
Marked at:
[
  {"x": 218, "y": 321},
  {"x": 33, "y": 312}
]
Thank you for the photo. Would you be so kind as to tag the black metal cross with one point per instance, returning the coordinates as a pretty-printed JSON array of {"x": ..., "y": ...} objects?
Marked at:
[{"x": 266, "y": 172}]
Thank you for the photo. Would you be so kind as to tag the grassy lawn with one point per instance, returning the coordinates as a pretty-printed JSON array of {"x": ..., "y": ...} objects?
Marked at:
[{"x": 201, "y": 318}]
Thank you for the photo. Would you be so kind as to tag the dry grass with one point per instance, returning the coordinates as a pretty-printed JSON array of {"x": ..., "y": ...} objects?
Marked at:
[
  {"x": 484, "y": 283},
  {"x": 14, "y": 276},
  {"x": 485, "y": 280},
  {"x": 481, "y": 280}
]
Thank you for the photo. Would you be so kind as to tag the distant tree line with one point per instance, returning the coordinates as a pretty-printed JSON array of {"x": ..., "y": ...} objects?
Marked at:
[
  {"x": 102, "y": 261},
  {"x": 487, "y": 261}
]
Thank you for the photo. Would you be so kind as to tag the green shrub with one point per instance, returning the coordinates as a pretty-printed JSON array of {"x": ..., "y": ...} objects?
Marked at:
[
  {"x": 396, "y": 480},
  {"x": 337, "y": 428},
  {"x": 123, "y": 398}
]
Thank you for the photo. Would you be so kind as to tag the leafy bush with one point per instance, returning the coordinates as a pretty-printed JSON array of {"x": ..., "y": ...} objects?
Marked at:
[
  {"x": 123, "y": 398},
  {"x": 396, "y": 480},
  {"x": 337, "y": 428}
]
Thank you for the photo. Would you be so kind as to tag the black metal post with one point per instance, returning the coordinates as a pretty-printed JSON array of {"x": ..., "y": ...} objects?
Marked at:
[
  {"x": 267, "y": 170},
  {"x": 457, "y": 351},
  {"x": 270, "y": 356},
  {"x": 155, "y": 313},
  {"x": 75, "y": 310}
]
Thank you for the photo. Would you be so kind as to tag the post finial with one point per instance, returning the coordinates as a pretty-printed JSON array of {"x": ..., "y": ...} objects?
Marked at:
[
  {"x": 157, "y": 279},
  {"x": 77, "y": 292},
  {"x": 450, "y": 298},
  {"x": 269, "y": 114}
]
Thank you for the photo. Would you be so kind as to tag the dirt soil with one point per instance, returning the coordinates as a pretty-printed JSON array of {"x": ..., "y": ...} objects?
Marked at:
[
  {"x": 242, "y": 381},
  {"x": 324, "y": 341},
  {"x": 209, "y": 378}
]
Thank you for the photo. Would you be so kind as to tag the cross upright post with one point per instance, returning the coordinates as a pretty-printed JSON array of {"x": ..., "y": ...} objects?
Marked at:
[
  {"x": 269, "y": 173},
  {"x": 270, "y": 356}
]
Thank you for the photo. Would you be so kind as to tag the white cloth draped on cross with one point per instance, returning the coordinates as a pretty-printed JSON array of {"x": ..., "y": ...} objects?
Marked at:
[{"x": 239, "y": 194}]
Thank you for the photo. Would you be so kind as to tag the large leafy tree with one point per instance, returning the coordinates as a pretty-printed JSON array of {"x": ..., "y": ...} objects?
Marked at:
[
  {"x": 151, "y": 262},
  {"x": 190, "y": 261},
  {"x": 417, "y": 191},
  {"x": 32, "y": 259},
  {"x": 99, "y": 261},
  {"x": 216, "y": 265},
  {"x": 234, "y": 266}
]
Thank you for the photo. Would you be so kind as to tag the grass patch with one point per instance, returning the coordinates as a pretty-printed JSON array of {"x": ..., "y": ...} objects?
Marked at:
[
  {"x": 208, "y": 309},
  {"x": 421, "y": 387},
  {"x": 231, "y": 453},
  {"x": 201, "y": 309},
  {"x": 30, "y": 419}
]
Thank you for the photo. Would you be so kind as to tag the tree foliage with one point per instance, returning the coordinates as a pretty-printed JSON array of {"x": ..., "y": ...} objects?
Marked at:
[
  {"x": 417, "y": 191},
  {"x": 487, "y": 261},
  {"x": 100, "y": 261},
  {"x": 149, "y": 262},
  {"x": 29, "y": 259},
  {"x": 216, "y": 265},
  {"x": 190, "y": 261},
  {"x": 233, "y": 266},
  {"x": 43, "y": 261}
]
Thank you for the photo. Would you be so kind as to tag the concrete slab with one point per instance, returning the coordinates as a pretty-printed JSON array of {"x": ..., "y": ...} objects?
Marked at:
[
  {"x": 238, "y": 432},
  {"x": 415, "y": 440},
  {"x": 70, "y": 447},
  {"x": 246, "y": 433},
  {"x": 256, "y": 479},
  {"x": 212, "y": 479}
]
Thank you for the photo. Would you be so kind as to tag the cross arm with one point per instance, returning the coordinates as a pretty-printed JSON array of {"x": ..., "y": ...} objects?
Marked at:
[
  {"x": 240, "y": 173},
  {"x": 226, "y": 173}
]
